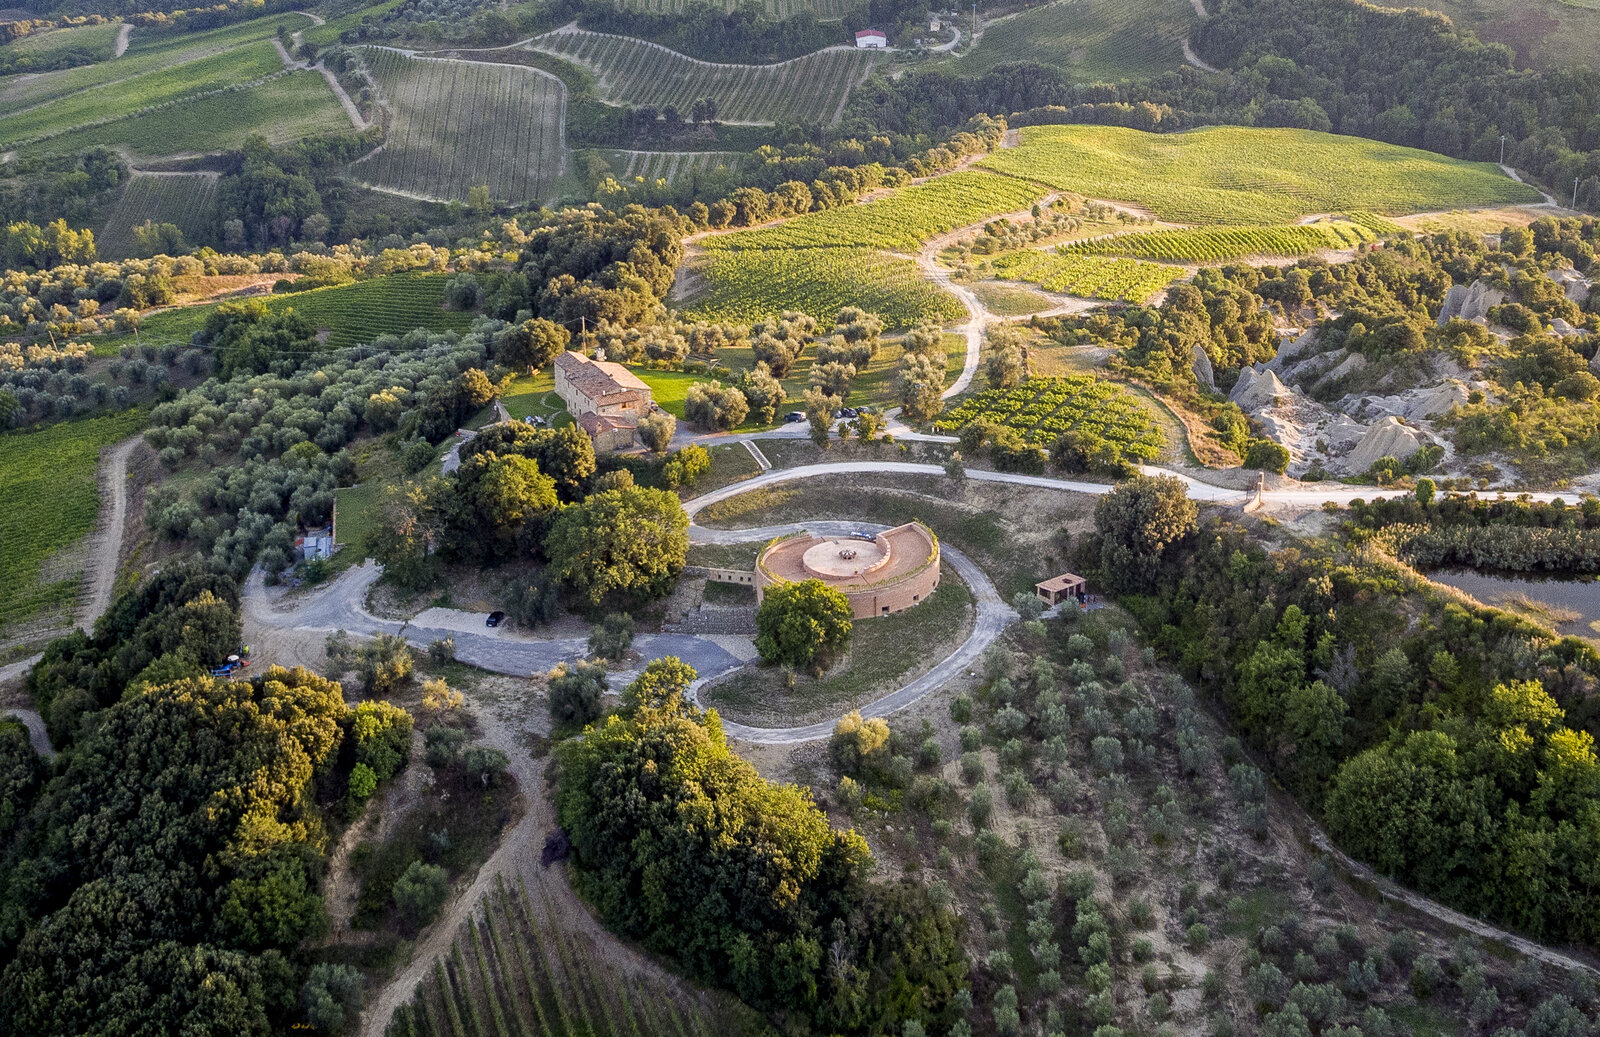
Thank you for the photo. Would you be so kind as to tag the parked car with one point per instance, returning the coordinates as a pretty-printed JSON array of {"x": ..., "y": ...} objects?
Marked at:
[
  {"x": 794, "y": 416},
  {"x": 849, "y": 412},
  {"x": 495, "y": 618}
]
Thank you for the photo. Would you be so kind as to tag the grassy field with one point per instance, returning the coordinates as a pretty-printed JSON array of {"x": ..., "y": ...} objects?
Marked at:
[
  {"x": 1255, "y": 176},
  {"x": 755, "y": 284},
  {"x": 901, "y": 221},
  {"x": 157, "y": 87},
  {"x": 1096, "y": 40},
  {"x": 513, "y": 969},
  {"x": 1010, "y": 300},
  {"x": 42, "y": 47},
  {"x": 186, "y": 200},
  {"x": 327, "y": 34},
  {"x": 824, "y": 10},
  {"x": 1216, "y": 244},
  {"x": 1091, "y": 277},
  {"x": 49, "y": 500},
  {"x": 458, "y": 125},
  {"x": 809, "y": 89},
  {"x": 354, "y": 314},
  {"x": 146, "y": 55}
]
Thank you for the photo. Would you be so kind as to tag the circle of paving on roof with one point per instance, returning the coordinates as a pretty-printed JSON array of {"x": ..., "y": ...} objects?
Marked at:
[{"x": 879, "y": 573}]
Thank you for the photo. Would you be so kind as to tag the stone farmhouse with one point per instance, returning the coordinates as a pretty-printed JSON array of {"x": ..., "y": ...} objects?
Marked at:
[{"x": 605, "y": 399}]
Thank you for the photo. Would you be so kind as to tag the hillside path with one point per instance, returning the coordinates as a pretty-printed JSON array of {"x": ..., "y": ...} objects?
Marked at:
[
  {"x": 123, "y": 33},
  {"x": 1194, "y": 59},
  {"x": 106, "y": 547}
]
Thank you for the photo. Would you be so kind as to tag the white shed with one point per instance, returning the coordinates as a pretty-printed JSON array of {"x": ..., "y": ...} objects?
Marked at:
[{"x": 871, "y": 39}]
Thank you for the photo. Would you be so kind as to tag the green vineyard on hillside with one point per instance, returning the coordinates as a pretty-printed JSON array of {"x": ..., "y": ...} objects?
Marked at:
[
  {"x": 824, "y": 10},
  {"x": 185, "y": 200},
  {"x": 752, "y": 285},
  {"x": 669, "y": 165},
  {"x": 510, "y": 973},
  {"x": 1043, "y": 408},
  {"x": 1213, "y": 244},
  {"x": 1091, "y": 277},
  {"x": 1230, "y": 174},
  {"x": 455, "y": 125},
  {"x": 809, "y": 89},
  {"x": 1095, "y": 40},
  {"x": 903, "y": 221}
]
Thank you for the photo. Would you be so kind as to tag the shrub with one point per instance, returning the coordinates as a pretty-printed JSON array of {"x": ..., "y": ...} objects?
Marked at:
[
  {"x": 576, "y": 693},
  {"x": 419, "y": 893},
  {"x": 612, "y": 637},
  {"x": 715, "y": 406},
  {"x": 858, "y": 743}
]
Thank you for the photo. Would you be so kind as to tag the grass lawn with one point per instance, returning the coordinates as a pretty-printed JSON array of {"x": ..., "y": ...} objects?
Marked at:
[
  {"x": 730, "y": 463},
  {"x": 884, "y": 652},
  {"x": 1231, "y": 174},
  {"x": 358, "y": 506},
  {"x": 536, "y": 395},
  {"x": 1010, "y": 300},
  {"x": 725, "y": 556}
]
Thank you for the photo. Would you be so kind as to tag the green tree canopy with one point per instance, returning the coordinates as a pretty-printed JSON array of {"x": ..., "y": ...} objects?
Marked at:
[
  {"x": 802, "y": 623},
  {"x": 625, "y": 544},
  {"x": 1136, "y": 524}
]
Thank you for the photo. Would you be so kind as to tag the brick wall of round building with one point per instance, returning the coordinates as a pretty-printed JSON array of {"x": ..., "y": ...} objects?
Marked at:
[{"x": 879, "y": 599}]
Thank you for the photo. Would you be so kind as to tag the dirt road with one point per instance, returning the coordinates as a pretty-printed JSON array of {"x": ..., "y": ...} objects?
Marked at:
[{"x": 106, "y": 548}]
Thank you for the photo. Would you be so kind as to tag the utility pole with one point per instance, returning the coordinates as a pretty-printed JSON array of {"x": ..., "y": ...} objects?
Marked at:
[{"x": 1574, "y": 192}]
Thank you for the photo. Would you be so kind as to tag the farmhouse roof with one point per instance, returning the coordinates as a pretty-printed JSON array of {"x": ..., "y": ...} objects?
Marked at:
[
  {"x": 599, "y": 424},
  {"x": 1064, "y": 582},
  {"x": 601, "y": 380},
  {"x": 866, "y": 34}
]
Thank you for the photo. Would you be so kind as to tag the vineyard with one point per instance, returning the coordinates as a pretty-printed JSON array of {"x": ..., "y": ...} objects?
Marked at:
[
  {"x": 49, "y": 500},
  {"x": 146, "y": 55},
  {"x": 901, "y": 222},
  {"x": 287, "y": 107},
  {"x": 127, "y": 97},
  {"x": 1096, "y": 40},
  {"x": 186, "y": 200},
  {"x": 1043, "y": 408},
  {"x": 752, "y": 285},
  {"x": 512, "y": 973},
  {"x": 45, "y": 46},
  {"x": 1233, "y": 175},
  {"x": 776, "y": 9},
  {"x": 1214, "y": 244},
  {"x": 669, "y": 165},
  {"x": 455, "y": 125},
  {"x": 1090, "y": 277},
  {"x": 809, "y": 89},
  {"x": 354, "y": 314}
]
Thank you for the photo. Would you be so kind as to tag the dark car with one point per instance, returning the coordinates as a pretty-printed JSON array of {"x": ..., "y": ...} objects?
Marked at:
[
  {"x": 495, "y": 619},
  {"x": 795, "y": 415}
]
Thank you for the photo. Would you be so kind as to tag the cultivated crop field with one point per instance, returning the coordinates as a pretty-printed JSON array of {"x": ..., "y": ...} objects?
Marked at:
[
  {"x": 1091, "y": 277},
  {"x": 903, "y": 221},
  {"x": 49, "y": 500},
  {"x": 455, "y": 125},
  {"x": 161, "y": 86},
  {"x": 1237, "y": 175},
  {"x": 1096, "y": 40},
  {"x": 757, "y": 284},
  {"x": 512, "y": 973},
  {"x": 46, "y": 46},
  {"x": 146, "y": 54},
  {"x": 186, "y": 200},
  {"x": 1214, "y": 244},
  {"x": 812, "y": 88},
  {"x": 286, "y": 107},
  {"x": 1043, "y": 408},
  {"x": 669, "y": 165}
]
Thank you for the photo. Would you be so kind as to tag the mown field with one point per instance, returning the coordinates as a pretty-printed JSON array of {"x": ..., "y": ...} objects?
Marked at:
[
  {"x": 49, "y": 500},
  {"x": 455, "y": 125},
  {"x": 748, "y": 285},
  {"x": 1091, "y": 277},
  {"x": 669, "y": 165},
  {"x": 1215, "y": 244},
  {"x": 146, "y": 54},
  {"x": 809, "y": 89},
  {"x": 1235, "y": 175},
  {"x": 512, "y": 972},
  {"x": 901, "y": 222},
  {"x": 1542, "y": 33},
  {"x": 287, "y": 107},
  {"x": 185, "y": 200},
  {"x": 1043, "y": 408},
  {"x": 1097, "y": 40},
  {"x": 354, "y": 314}
]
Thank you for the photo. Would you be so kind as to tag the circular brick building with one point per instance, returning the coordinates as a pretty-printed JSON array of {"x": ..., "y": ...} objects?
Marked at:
[{"x": 879, "y": 573}]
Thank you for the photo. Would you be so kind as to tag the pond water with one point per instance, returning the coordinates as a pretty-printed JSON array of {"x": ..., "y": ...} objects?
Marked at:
[{"x": 1565, "y": 594}]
